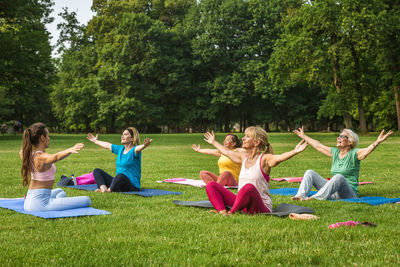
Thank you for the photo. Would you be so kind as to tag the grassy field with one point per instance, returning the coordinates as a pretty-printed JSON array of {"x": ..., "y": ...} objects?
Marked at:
[{"x": 154, "y": 231}]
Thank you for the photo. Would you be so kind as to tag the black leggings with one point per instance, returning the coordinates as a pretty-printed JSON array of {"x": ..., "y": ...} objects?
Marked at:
[{"x": 119, "y": 183}]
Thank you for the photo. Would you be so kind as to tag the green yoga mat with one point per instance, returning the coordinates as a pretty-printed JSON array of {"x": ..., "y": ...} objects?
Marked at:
[{"x": 281, "y": 211}]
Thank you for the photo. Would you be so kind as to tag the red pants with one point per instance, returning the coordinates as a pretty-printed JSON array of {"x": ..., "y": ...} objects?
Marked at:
[
  {"x": 226, "y": 178},
  {"x": 248, "y": 199}
]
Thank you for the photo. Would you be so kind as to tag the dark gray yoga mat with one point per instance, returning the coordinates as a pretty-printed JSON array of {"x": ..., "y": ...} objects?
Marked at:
[{"x": 281, "y": 211}]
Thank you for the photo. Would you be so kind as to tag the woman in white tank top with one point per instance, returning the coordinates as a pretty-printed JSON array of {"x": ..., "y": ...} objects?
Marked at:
[{"x": 257, "y": 160}]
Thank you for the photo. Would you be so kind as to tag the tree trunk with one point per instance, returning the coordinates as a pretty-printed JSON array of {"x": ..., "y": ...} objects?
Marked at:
[
  {"x": 266, "y": 126},
  {"x": 348, "y": 120},
  {"x": 357, "y": 71},
  {"x": 338, "y": 84},
  {"x": 361, "y": 114},
  {"x": 227, "y": 122},
  {"x": 396, "y": 98},
  {"x": 112, "y": 126}
]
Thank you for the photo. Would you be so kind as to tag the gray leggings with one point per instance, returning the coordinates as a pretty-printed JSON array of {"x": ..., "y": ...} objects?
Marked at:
[{"x": 336, "y": 188}]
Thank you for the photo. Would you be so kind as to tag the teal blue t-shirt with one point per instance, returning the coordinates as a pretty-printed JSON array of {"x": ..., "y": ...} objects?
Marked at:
[
  {"x": 349, "y": 166},
  {"x": 128, "y": 164}
]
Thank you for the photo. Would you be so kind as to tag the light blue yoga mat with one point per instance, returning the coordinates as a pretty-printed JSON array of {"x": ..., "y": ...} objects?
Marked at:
[
  {"x": 17, "y": 204},
  {"x": 374, "y": 201},
  {"x": 143, "y": 192}
]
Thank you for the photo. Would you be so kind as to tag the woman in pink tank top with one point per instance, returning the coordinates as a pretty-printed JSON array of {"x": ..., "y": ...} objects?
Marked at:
[
  {"x": 38, "y": 171},
  {"x": 257, "y": 161}
]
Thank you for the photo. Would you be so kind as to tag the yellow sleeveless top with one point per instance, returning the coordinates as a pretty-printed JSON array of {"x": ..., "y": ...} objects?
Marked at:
[{"x": 226, "y": 164}]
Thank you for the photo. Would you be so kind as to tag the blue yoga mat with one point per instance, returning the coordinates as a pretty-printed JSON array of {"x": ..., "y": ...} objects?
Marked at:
[
  {"x": 374, "y": 201},
  {"x": 143, "y": 192},
  {"x": 17, "y": 204}
]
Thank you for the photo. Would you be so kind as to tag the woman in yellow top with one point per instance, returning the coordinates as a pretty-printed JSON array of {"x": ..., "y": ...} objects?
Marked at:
[{"x": 228, "y": 170}]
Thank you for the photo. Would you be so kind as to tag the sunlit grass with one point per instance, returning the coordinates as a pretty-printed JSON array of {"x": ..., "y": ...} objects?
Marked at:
[{"x": 153, "y": 231}]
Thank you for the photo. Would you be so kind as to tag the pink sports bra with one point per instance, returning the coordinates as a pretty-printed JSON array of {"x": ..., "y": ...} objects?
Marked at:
[{"x": 42, "y": 176}]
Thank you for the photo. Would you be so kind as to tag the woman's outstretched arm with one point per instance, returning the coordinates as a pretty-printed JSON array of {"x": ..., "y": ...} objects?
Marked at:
[
  {"x": 273, "y": 160},
  {"x": 235, "y": 156},
  {"x": 314, "y": 143},
  {"x": 145, "y": 144},
  {"x": 94, "y": 139},
  {"x": 45, "y": 158},
  {"x": 206, "y": 151},
  {"x": 364, "y": 152}
]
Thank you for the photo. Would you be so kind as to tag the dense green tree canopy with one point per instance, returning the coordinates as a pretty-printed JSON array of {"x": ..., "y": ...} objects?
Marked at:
[{"x": 222, "y": 64}]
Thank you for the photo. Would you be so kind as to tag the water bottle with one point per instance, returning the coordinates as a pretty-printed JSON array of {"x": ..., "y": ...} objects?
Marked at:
[{"x": 73, "y": 179}]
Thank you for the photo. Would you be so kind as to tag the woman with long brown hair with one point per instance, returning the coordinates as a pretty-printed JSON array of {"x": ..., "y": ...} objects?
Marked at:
[
  {"x": 129, "y": 158},
  {"x": 38, "y": 171},
  {"x": 228, "y": 170}
]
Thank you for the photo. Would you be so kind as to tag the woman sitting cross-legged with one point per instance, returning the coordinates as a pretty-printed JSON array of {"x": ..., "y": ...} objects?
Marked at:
[
  {"x": 228, "y": 170},
  {"x": 345, "y": 167},
  {"x": 257, "y": 160},
  {"x": 39, "y": 167},
  {"x": 128, "y": 163}
]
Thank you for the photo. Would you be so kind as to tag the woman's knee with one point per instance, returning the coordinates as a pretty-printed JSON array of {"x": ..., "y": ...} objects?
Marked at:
[
  {"x": 97, "y": 171},
  {"x": 60, "y": 193},
  {"x": 248, "y": 188},
  {"x": 204, "y": 173},
  {"x": 309, "y": 173},
  {"x": 338, "y": 177}
]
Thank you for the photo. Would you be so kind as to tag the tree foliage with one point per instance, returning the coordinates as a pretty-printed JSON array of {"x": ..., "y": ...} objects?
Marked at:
[
  {"x": 164, "y": 64},
  {"x": 26, "y": 68}
]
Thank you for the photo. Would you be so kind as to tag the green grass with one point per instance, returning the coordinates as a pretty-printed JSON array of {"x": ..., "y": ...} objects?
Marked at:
[{"x": 154, "y": 231}]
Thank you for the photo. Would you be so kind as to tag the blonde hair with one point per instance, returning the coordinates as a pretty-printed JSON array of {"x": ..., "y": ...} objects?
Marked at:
[
  {"x": 258, "y": 133},
  {"x": 353, "y": 138},
  {"x": 135, "y": 135}
]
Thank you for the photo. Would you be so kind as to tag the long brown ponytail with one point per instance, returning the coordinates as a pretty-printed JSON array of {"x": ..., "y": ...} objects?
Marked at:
[{"x": 30, "y": 137}]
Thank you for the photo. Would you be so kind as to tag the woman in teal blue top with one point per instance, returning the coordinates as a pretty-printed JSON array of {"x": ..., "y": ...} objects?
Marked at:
[
  {"x": 128, "y": 163},
  {"x": 345, "y": 167}
]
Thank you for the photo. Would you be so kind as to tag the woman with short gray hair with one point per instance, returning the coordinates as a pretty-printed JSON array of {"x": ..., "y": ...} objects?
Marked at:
[{"x": 345, "y": 168}]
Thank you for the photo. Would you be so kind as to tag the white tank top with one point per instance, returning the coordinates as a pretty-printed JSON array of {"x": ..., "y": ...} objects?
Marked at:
[{"x": 255, "y": 176}]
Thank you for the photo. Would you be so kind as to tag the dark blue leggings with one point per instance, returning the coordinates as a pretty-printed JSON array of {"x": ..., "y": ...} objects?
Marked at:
[{"x": 119, "y": 183}]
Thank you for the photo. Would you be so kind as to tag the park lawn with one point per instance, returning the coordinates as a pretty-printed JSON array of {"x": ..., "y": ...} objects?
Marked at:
[{"x": 154, "y": 231}]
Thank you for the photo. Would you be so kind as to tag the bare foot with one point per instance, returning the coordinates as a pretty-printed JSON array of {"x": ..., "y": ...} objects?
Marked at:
[
  {"x": 298, "y": 198},
  {"x": 108, "y": 190},
  {"x": 102, "y": 188},
  {"x": 307, "y": 199},
  {"x": 97, "y": 190},
  {"x": 224, "y": 213},
  {"x": 213, "y": 211}
]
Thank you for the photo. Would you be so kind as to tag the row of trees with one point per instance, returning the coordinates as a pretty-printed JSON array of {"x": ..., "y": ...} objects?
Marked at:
[{"x": 187, "y": 63}]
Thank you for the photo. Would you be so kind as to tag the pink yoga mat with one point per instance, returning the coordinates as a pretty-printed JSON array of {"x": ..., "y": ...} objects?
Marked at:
[
  {"x": 298, "y": 180},
  {"x": 186, "y": 181}
]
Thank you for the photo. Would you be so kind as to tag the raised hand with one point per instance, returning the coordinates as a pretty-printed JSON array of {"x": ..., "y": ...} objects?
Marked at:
[
  {"x": 196, "y": 148},
  {"x": 300, "y": 132},
  {"x": 382, "y": 136},
  {"x": 92, "y": 138},
  {"x": 301, "y": 146},
  {"x": 76, "y": 148},
  {"x": 209, "y": 137},
  {"x": 147, "y": 142}
]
